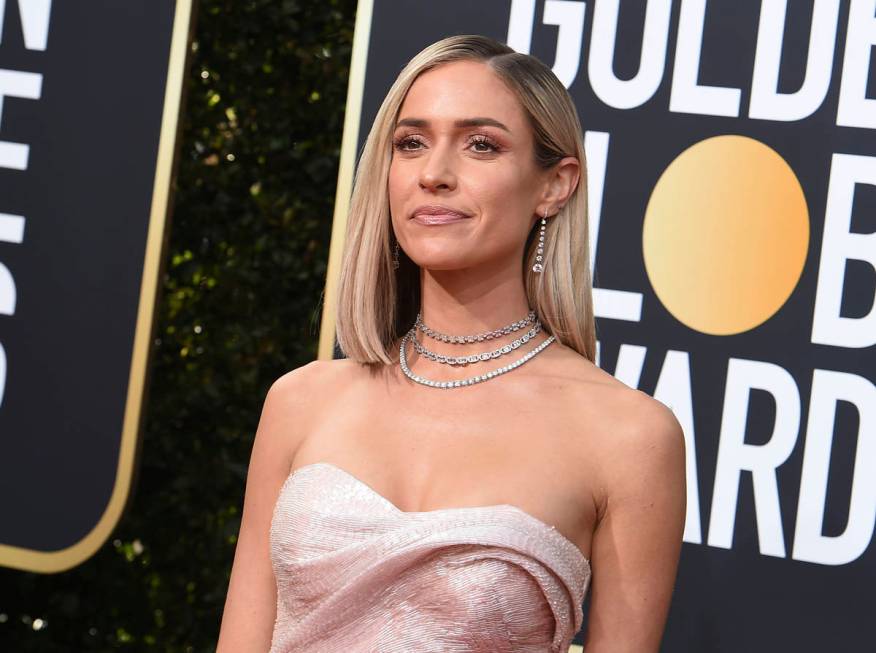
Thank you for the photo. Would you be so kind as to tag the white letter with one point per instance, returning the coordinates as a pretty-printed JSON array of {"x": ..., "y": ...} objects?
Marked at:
[
  {"x": 2, "y": 373},
  {"x": 837, "y": 246},
  {"x": 761, "y": 460},
  {"x": 766, "y": 102},
  {"x": 687, "y": 96},
  {"x": 674, "y": 390},
  {"x": 11, "y": 231},
  {"x": 34, "y": 22},
  {"x": 630, "y": 360},
  {"x": 569, "y": 17},
  {"x": 596, "y": 153},
  {"x": 627, "y": 93},
  {"x": 607, "y": 303},
  {"x": 24, "y": 85},
  {"x": 520, "y": 22},
  {"x": 855, "y": 109},
  {"x": 809, "y": 544}
]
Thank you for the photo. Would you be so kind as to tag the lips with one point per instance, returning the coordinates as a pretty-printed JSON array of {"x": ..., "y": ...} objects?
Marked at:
[
  {"x": 434, "y": 214},
  {"x": 425, "y": 218}
]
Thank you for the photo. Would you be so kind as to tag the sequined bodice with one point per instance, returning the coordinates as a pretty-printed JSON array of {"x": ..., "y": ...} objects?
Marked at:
[{"x": 357, "y": 574}]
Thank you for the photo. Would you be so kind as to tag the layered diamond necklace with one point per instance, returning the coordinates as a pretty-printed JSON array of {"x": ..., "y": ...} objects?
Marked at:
[{"x": 471, "y": 358}]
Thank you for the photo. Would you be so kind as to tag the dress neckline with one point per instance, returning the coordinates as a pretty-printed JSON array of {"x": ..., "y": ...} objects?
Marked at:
[{"x": 574, "y": 548}]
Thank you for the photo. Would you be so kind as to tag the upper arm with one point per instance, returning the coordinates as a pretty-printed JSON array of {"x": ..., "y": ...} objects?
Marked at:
[
  {"x": 637, "y": 543},
  {"x": 250, "y": 605}
]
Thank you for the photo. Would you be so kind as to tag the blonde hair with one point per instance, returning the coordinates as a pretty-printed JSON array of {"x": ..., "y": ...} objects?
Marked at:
[{"x": 377, "y": 304}]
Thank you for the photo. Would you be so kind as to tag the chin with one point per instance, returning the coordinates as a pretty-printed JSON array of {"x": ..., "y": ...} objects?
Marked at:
[
  {"x": 437, "y": 265},
  {"x": 447, "y": 256},
  {"x": 442, "y": 263}
]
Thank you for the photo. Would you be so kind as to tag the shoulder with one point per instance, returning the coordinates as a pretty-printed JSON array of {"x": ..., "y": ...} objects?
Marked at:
[
  {"x": 633, "y": 434},
  {"x": 642, "y": 457},
  {"x": 294, "y": 398},
  {"x": 315, "y": 386},
  {"x": 632, "y": 413},
  {"x": 649, "y": 426},
  {"x": 310, "y": 380},
  {"x": 640, "y": 431}
]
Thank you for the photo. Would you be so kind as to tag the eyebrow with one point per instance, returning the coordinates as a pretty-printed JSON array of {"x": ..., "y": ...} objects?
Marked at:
[{"x": 467, "y": 122}]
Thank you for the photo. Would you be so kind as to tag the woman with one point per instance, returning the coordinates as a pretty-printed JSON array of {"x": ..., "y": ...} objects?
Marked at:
[{"x": 459, "y": 494}]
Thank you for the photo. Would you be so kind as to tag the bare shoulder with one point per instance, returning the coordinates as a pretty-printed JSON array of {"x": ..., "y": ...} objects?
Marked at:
[
  {"x": 632, "y": 431},
  {"x": 307, "y": 382},
  {"x": 293, "y": 400},
  {"x": 642, "y": 447},
  {"x": 648, "y": 426}
]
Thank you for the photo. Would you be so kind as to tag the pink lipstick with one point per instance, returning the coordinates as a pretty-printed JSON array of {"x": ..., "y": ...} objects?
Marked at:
[
  {"x": 437, "y": 214},
  {"x": 430, "y": 219}
]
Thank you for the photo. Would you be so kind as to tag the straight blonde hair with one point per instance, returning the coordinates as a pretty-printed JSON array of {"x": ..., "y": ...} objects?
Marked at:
[{"x": 376, "y": 304}]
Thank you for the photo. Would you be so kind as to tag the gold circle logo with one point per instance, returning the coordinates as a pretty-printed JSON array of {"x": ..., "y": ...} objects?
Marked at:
[{"x": 725, "y": 235}]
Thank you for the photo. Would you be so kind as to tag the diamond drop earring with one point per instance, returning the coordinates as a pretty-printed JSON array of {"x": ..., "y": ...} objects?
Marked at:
[
  {"x": 539, "y": 252},
  {"x": 395, "y": 257}
]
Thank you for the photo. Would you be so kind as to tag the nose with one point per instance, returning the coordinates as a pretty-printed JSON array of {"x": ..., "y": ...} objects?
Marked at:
[{"x": 437, "y": 171}]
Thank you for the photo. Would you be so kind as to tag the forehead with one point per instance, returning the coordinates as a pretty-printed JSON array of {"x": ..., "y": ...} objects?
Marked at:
[{"x": 463, "y": 89}]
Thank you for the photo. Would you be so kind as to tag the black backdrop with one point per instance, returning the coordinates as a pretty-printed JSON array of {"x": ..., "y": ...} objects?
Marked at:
[
  {"x": 758, "y": 572},
  {"x": 83, "y": 89}
]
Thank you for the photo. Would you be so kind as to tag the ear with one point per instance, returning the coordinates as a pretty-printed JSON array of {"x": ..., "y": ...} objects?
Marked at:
[{"x": 560, "y": 183}]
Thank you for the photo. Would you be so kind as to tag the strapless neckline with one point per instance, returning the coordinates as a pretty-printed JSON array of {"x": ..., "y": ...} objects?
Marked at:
[{"x": 564, "y": 541}]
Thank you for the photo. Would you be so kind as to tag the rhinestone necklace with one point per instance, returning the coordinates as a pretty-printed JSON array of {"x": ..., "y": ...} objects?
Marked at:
[
  {"x": 403, "y": 363},
  {"x": 497, "y": 333},
  {"x": 474, "y": 358}
]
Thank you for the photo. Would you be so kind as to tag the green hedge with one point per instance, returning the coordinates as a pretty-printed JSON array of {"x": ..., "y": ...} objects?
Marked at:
[{"x": 240, "y": 305}]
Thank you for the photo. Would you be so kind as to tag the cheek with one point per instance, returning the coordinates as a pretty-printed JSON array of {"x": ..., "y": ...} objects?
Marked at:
[
  {"x": 503, "y": 194},
  {"x": 508, "y": 202},
  {"x": 397, "y": 185},
  {"x": 392, "y": 179}
]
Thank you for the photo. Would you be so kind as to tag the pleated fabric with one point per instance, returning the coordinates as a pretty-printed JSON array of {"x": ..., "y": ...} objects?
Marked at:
[{"x": 357, "y": 574}]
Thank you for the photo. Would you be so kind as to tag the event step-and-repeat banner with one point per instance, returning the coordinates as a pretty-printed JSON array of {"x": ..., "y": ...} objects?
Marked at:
[
  {"x": 89, "y": 102},
  {"x": 732, "y": 176}
]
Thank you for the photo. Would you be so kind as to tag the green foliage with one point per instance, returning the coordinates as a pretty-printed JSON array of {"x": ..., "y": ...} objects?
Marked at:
[{"x": 240, "y": 305}]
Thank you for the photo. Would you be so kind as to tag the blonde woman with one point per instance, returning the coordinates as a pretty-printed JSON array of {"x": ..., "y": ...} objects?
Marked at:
[{"x": 464, "y": 477}]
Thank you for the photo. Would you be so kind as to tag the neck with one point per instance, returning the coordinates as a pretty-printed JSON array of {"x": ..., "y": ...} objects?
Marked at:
[{"x": 462, "y": 302}]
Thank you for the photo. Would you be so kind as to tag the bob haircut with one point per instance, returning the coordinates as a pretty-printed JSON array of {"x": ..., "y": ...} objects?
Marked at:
[{"x": 376, "y": 304}]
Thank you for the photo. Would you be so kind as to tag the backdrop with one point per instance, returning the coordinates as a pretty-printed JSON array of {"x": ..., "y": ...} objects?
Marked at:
[
  {"x": 89, "y": 100},
  {"x": 732, "y": 183}
]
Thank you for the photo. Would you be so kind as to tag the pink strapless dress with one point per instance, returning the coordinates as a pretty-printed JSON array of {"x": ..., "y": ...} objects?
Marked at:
[{"x": 356, "y": 574}]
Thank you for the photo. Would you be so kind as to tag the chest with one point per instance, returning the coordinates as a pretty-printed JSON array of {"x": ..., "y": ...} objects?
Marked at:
[{"x": 452, "y": 449}]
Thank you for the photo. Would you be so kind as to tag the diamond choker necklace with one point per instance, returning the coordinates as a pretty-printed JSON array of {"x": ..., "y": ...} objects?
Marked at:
[{"x": 450, "y": 360}]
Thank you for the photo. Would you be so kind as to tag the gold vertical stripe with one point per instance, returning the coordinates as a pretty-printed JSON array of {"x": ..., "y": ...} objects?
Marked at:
[
  {"x": 63, "y": 559},
  {"x": 346, "y": 170}
]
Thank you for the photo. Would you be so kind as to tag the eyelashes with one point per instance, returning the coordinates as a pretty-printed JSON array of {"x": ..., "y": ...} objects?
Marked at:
[{"x": 401, "y": 144}]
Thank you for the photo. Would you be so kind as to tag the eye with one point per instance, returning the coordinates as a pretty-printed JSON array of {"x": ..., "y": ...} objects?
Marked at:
[
  {"x": 481, "y": 144},
  {"x": 480, "y": 140},
  {"x": 402, "y": 142}
]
